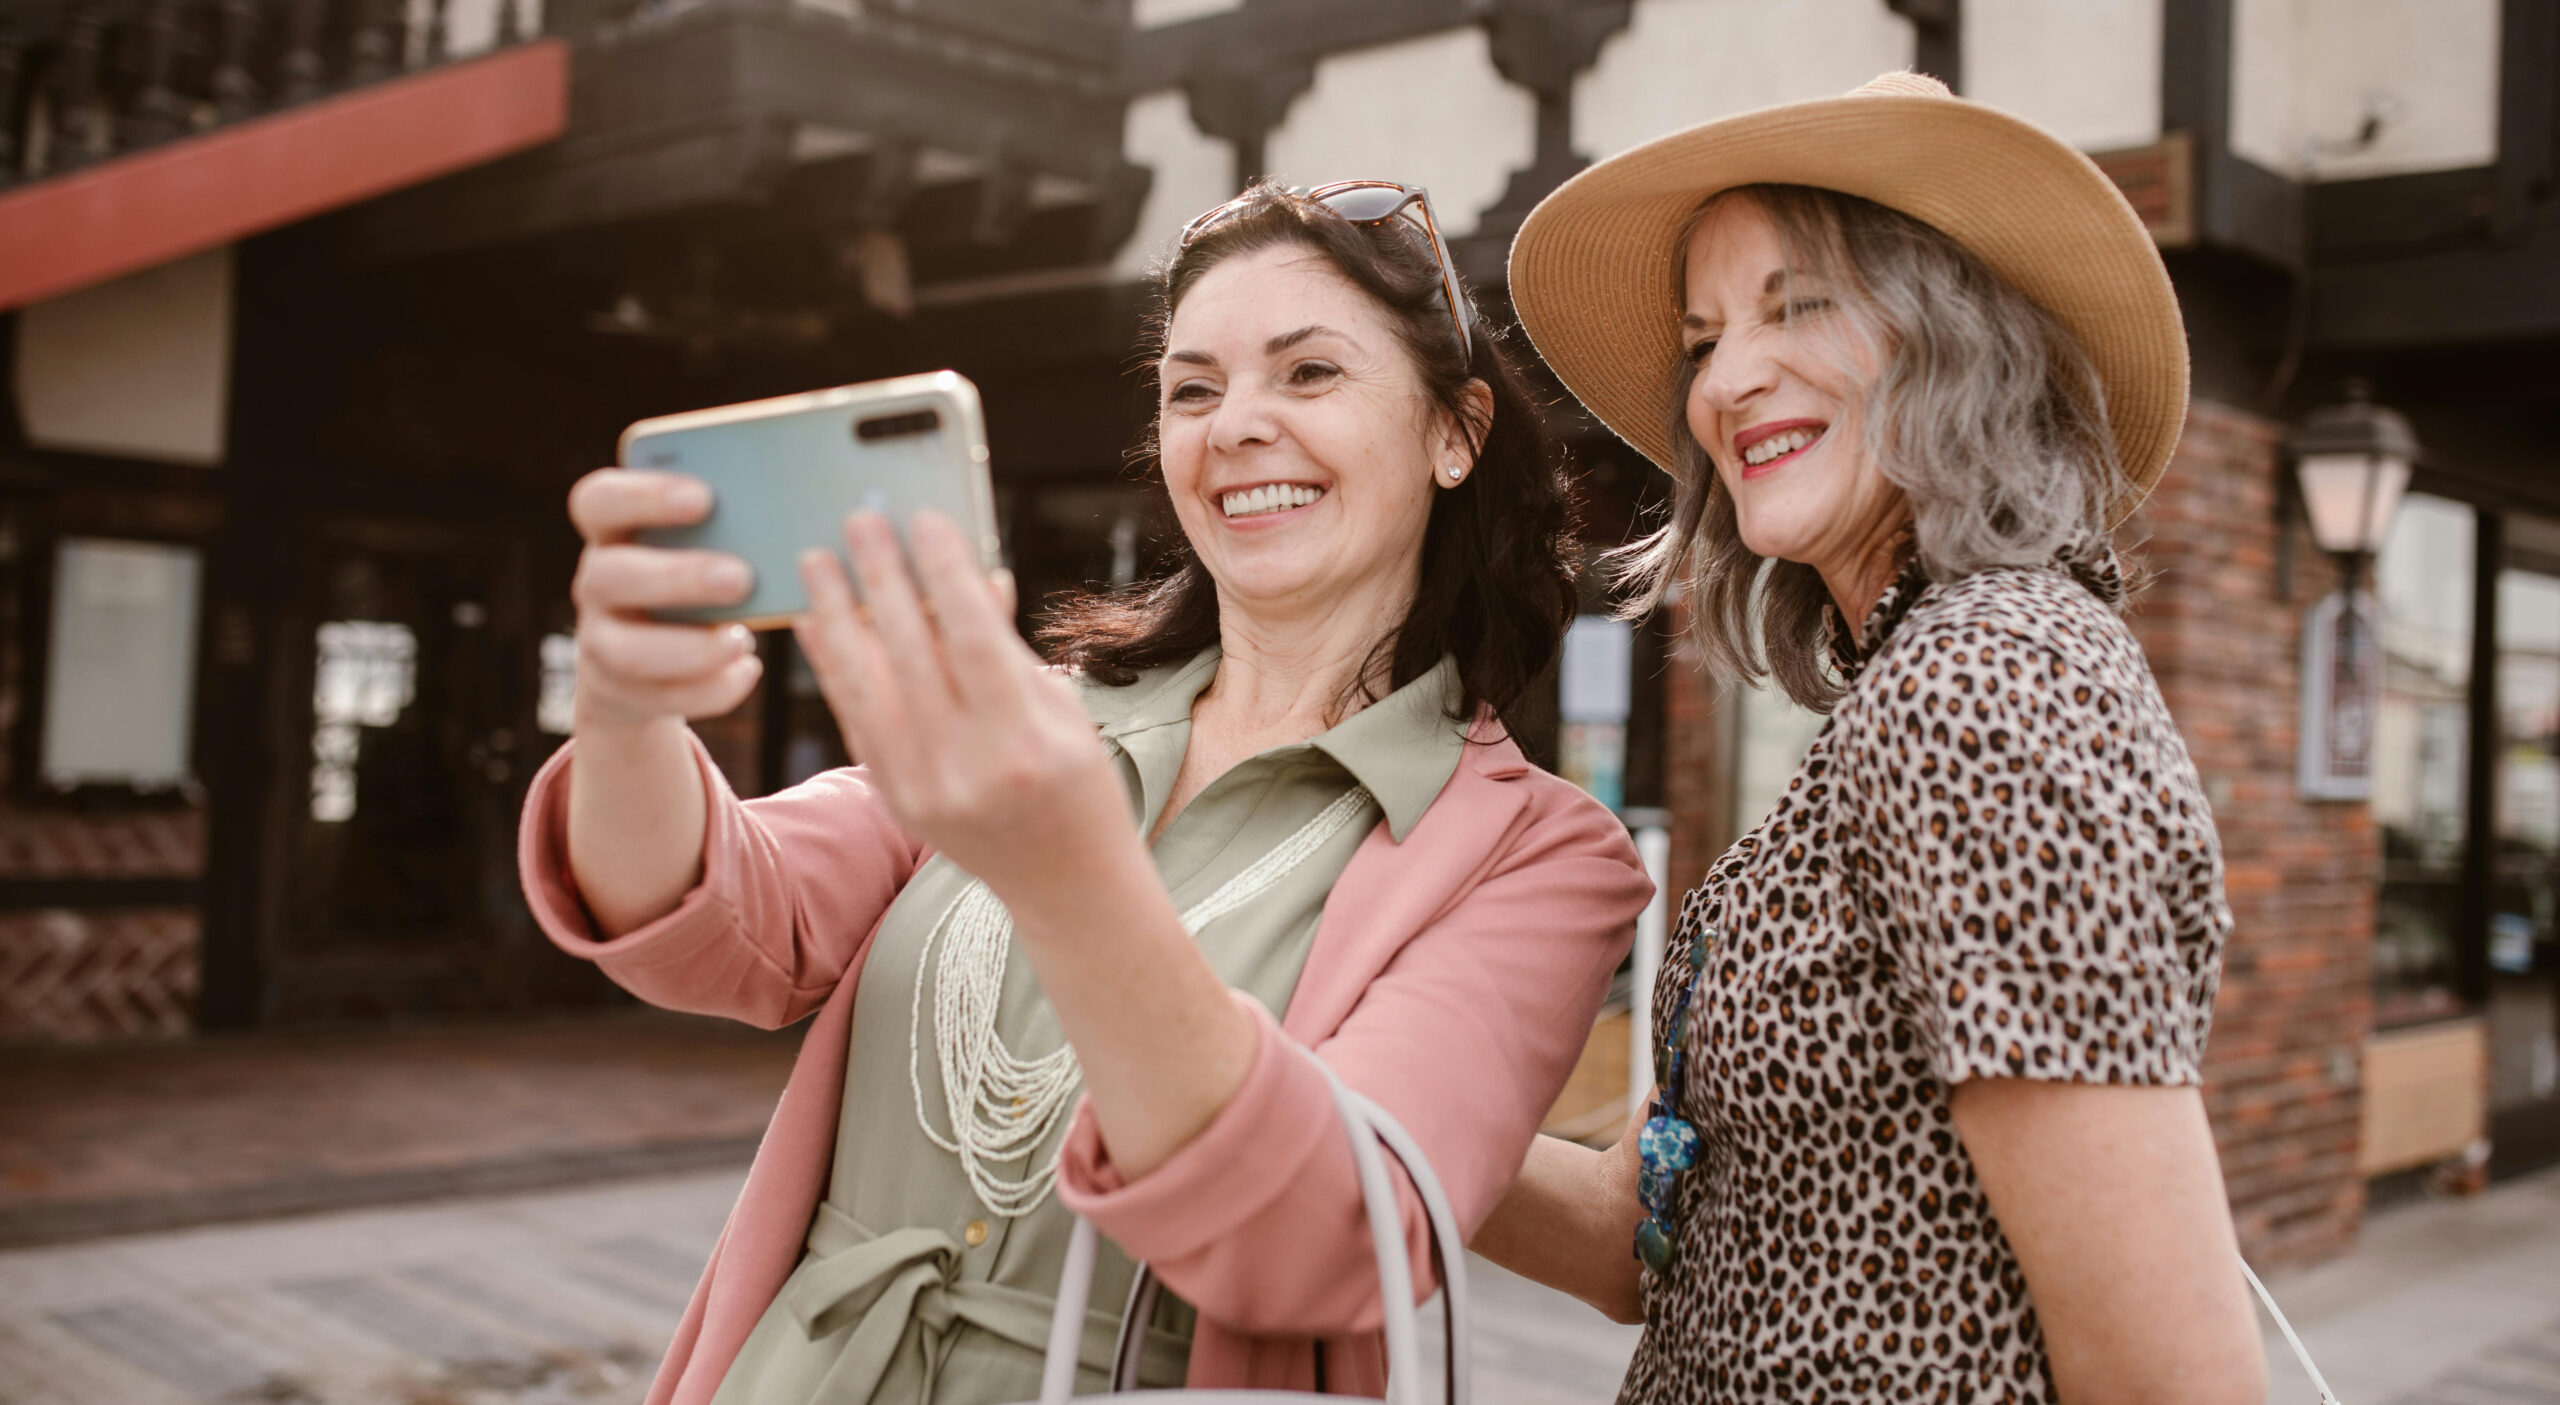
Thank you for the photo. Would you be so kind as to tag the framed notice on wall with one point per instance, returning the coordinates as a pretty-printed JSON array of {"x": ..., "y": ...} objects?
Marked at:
[
  {"x": 120, "y": 669},
  {"x": 2341, "y": 697}
]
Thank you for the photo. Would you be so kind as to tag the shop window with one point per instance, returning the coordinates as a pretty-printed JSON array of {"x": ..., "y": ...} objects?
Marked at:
[
  {"x": 367, "y": 674},
  {"x": 1773, "y": 736},
  {"x": 120, "y": 673},
  {"x": 2426, "y": 580},
  {"x": 2524, "y": 832},
  {"x": 555, "y": 708}
]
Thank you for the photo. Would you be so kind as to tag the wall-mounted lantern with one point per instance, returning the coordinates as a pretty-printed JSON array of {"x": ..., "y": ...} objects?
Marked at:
[{"x": 2353, "y": 463}]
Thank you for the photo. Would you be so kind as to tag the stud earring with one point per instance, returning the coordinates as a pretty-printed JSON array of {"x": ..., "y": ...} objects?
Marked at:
[{"x": 1456, "y": 472}]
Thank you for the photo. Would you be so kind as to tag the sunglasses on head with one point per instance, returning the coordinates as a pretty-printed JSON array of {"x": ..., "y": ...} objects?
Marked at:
[{"x": 1371, "y": 202}]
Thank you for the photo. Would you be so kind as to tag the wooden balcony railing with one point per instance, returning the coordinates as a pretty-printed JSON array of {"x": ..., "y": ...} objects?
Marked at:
[{"x": 85, "y": 81}]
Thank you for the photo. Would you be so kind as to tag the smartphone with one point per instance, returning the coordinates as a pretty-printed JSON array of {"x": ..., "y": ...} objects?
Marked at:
[{"x": 785, "y": 473}]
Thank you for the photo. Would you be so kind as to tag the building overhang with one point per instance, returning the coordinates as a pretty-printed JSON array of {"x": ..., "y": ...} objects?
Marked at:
[
  {"x": 730, "y": 104},
  {"x": 139, "y": 211}
]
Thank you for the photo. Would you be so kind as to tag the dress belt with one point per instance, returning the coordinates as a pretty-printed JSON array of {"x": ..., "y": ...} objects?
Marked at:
[{"x": 906, "y": 1289}]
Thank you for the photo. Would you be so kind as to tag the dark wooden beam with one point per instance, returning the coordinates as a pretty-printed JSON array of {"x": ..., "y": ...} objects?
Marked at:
[
  {"x": 1938, "y": 34},
  {"x": 90, "y": 894},
  {"x": 704, "y": 110},
  {"x": 2528, "y": 112},
  {"x": 2239, "y": 204},
  {"x": 2479, "y": 293}
]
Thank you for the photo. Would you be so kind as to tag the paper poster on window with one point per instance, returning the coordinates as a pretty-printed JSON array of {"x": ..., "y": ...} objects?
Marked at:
[
  {"x": 120, "y": 672},
  {"x": 2341, "y": 697}
]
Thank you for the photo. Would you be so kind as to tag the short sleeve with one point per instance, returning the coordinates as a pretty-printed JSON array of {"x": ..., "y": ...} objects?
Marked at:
[{"x": 2039, "y": 860}]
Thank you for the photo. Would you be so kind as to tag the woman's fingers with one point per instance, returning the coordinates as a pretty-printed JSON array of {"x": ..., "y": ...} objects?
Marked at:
[
  {"x": 853, "y": 668},
  {"x": 627, "y": 578},
  {"x": 644, "y": 652},
  {"x": 988, "y": 660},
  {"x": 616, "y": 504},
  {"x": 897, "y": 618},
  {"x": 631, "y": 670}
]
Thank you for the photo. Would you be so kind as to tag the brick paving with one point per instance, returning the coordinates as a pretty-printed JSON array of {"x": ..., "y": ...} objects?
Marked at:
[
  {"x": 121, "y": 1139},
  {"x": 565, "y": 1297},
  {"x": 552, "y": 1298}
]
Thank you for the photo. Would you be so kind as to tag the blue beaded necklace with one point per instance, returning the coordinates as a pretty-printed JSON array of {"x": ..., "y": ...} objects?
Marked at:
[{"x": 1668, "y": 1145}]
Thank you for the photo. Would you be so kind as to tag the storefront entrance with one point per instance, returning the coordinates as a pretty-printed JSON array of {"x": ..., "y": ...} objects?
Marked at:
[
  {"x": 410, "y": 679},
  {"x": 2522, "y": 918}
]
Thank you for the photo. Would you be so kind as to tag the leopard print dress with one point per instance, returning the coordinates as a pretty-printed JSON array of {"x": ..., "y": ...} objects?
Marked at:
[{"x": 1995, "y": 862}]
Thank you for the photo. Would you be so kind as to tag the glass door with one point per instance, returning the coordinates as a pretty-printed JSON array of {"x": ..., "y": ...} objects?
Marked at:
[
  {"x": 408, "y": 721},
  {"x": 2523, "y": 936}
]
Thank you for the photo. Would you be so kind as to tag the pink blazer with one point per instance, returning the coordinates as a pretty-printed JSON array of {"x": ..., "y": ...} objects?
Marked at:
[{"x": 1454, "y": 978}]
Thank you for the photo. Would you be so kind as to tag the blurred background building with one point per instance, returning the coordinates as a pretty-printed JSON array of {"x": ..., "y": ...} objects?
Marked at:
[{"x": 313, "y": 309}]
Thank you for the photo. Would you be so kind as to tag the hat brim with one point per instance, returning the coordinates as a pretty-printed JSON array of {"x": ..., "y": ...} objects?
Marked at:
[{"x": 1592, "y": 271}]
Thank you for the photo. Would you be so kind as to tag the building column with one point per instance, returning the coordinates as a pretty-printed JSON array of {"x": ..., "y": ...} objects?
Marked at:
[{"x": 2282, "y": 1068}]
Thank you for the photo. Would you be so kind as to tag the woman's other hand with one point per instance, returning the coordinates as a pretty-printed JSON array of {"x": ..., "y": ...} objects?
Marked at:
[
  {"x": 1569, "y": 1222},
  {"x": 637, "y": 812},
  {"x": 634, "y": 670},
  {"x": 2112, "y": 1199},
  {"x": 980, "y": 750}
]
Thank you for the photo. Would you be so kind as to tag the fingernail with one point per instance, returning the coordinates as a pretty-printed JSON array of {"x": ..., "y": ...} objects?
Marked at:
[
  {"x": 742, "y": 639},
  {"x": 730, "y": 577},
  {"x": 688, "y": 496}
]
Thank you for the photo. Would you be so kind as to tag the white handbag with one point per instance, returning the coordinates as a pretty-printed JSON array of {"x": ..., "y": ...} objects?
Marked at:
[
  {"x": 2301, "y": 1353},
  {"x": 1374, "y": 1136}
]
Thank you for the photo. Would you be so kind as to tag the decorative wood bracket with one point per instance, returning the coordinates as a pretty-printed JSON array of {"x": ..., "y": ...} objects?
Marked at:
[
  {"x": 1242, "y": 104},
  {"x": 1542, "y": 45}
]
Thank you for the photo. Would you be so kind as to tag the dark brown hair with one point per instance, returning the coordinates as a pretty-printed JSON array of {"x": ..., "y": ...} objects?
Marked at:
[{"x": 1499, "y": 552}]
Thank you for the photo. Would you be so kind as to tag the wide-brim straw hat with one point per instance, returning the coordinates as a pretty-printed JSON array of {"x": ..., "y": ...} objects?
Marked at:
[{"x": 1594, "y": 272}]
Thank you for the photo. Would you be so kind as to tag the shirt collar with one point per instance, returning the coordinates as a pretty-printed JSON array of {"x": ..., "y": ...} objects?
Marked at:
[
  {"x": 1403, "y": 748},
  {"x": 2089, "y": 559}
]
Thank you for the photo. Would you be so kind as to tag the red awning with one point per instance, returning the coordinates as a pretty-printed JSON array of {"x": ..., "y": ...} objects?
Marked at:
[{"x": 138, "y": 211}]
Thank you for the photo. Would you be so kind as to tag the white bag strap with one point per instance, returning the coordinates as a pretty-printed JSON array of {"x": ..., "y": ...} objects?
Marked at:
[
  {"x": 1374, "y": 1136},
  {"x": 2301, "y": 1353}
]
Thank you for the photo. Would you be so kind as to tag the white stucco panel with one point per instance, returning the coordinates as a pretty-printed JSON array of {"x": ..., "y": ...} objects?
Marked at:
[
  {"x": 2308, "y": 75},
  {"x": 1156, "y": 14},
  {"x": 1430, "y": 112},
  {"x": 2086, "y": 70},
  {"x": 471, "y": 26},
  {"x": 1682, "y": 62},
  {"x": 139, "y": 368},
  {"x": 1193, "y": 171}
]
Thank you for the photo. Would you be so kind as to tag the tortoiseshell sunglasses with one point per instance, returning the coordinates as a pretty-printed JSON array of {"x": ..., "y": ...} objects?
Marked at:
[{"x": 1373, "y": 202}]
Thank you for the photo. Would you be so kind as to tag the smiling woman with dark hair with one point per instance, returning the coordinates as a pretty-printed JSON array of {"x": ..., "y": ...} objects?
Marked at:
[{"x": 1073, "y": 936}]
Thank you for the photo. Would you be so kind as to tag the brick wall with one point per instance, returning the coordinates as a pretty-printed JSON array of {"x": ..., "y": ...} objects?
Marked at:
[
  {"x": 2290, "y": 1025},
  {"x": 2295, "y": 1006},
  {"x": 75, "y": 976}
]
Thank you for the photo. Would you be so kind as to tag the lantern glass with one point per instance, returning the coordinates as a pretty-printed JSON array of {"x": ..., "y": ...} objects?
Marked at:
[{"x": 2351, "y": 498}]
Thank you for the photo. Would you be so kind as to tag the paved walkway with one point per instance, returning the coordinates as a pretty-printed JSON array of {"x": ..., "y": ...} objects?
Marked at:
[
  {"x": 565, "y": 1297},
  {"x": 153, "y": 1136}
]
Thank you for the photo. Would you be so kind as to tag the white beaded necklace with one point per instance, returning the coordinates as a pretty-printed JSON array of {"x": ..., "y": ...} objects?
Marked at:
[{"x": 1002, "y": 1106}]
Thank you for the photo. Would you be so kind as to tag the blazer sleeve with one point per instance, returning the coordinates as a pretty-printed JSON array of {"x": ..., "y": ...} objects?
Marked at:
[
  {"x": 793, "y": 886},
  {"x": 1466, "y": 1037}
]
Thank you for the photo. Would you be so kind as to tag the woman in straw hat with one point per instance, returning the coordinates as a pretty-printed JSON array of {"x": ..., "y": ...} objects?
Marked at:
[{"x": 1929, "y": 1126}]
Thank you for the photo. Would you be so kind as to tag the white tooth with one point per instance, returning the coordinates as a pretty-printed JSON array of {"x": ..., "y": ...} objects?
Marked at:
[{"x": 1262, "y": 498}]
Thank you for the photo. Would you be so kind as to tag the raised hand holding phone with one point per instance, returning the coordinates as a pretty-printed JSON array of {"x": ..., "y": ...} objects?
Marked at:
[
  {"x": 978, "y": 748},
  {"x": 634, "y": 667}
]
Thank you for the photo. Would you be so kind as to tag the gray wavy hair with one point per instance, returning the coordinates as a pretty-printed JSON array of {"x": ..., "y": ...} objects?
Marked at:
[{"x": 1987, "y": 415}]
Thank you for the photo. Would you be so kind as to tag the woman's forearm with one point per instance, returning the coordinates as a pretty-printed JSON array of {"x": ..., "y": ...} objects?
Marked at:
[
  {"x": 1162, "y": 1044},
  {"x": 1569, "y": 1222},
  {"x": 637, "y": 818}
]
